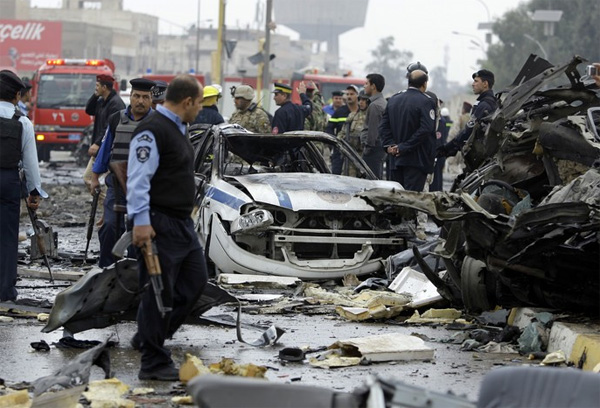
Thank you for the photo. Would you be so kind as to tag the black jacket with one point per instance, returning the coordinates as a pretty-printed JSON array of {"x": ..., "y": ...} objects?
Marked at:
[
  {"x": 210, "y": 115},
  {"x": 290, "y": 116},
  {"x": 408, "y": 121},
  {"x": 101, "y": 110}
]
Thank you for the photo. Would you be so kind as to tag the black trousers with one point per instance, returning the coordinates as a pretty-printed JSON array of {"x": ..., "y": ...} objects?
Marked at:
[
  {"x": 411, "y": 178},
  {"x": 184, "y": 278},
  {"x": 113, "y": 222},
  {"x": 10, "y": 196}
]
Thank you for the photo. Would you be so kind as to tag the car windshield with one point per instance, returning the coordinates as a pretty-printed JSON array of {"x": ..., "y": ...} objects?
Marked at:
[
  {"x": 250, "y": 154},
  {"x": 65, "y": 90}
]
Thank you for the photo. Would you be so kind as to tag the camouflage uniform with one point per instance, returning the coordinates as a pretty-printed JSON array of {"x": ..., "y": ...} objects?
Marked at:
[
  {"x": 352, "y": 128},
  {"x": 254, "y": 119},
  {"x": 317, "y": 120}
]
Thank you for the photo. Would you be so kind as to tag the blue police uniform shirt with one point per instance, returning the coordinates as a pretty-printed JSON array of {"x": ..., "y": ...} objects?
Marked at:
[
  {"x": 140, "y": 172},
  {"x": 29, "y": 159},
  {"x": 103, "y": 157}
]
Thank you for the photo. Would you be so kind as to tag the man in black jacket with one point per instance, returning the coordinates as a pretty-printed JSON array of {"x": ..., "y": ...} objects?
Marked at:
[
  {"x": 103, "y": 103},
  {"x": 407, "y": 132},
  {"x": 486, "y": 104}
]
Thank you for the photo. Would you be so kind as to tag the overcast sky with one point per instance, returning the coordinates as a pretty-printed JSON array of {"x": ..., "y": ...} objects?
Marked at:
[{"x": 422, "y": 26}]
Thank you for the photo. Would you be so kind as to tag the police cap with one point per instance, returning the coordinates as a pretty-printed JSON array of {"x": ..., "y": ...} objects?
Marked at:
[
  {"x": 159, "y": 91},
  {"x": 11, "y": 82},
  {"x": 485, "y": 75},
  {"x": 282, "y": 88},
  {"x": 142, "y": 84},
  {"x": 244, "y": 91},
  {"x": 337, "y": 93}
]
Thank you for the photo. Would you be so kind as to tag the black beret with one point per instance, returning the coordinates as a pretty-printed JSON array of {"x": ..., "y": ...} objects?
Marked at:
[
  {"x": 142, "y": 84},
  {"x": 485, "y": 75},
  {"x": 10, "y": 81},
  {"x": 337, "y": 93}
]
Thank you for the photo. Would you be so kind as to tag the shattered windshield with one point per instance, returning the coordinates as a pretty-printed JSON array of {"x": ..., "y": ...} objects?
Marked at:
[
  {"x": 65, "y": 90},
  {"x": 251, "y": 154}
]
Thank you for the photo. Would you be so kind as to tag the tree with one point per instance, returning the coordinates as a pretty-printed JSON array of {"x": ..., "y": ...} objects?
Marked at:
[
  {"x": 391, "y": 63},
  {"x": 576, "y": 33}
]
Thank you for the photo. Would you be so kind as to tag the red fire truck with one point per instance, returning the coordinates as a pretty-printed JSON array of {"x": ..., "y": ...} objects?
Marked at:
[{"x": 61, "y": 89}]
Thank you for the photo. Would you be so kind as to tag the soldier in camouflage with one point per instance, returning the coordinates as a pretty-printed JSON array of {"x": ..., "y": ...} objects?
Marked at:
[
  {"x": 352, "y": 128},
  {"x": 317, "y": 120},
  {"x": 248, "y": 114}
]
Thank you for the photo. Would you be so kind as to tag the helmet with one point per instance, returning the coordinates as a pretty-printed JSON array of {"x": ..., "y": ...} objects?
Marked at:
[
  {"x": 218, "y": 88},
  {"x": 243, "y": 91},
  {"x": 445, "y": 112},
  {"x": 210, "y": 91}
]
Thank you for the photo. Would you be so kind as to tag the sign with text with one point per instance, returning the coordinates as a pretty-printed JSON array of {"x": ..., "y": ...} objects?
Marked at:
[{"x": 27, "y": 44}]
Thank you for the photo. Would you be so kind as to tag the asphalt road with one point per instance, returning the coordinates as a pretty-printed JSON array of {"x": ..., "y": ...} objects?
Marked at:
[{"x": 451, "y": 370}]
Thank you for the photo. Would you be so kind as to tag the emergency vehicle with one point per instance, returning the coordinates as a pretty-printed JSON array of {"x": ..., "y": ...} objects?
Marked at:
[{"x": 60, "y": 91}]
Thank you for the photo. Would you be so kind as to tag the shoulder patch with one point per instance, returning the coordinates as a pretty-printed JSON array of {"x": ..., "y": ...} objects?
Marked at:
[
  {"x": 142, "y": 153},
  {"x": 145, "y": 138},
  {"x": 432, "y": 114}
]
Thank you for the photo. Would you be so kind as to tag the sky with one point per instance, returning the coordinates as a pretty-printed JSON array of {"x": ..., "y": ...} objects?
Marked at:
[{"x": 424, "y": 27}]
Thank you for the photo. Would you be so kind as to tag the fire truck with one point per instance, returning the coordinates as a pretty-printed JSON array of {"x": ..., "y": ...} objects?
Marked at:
[{"x": 60, "y": 91}]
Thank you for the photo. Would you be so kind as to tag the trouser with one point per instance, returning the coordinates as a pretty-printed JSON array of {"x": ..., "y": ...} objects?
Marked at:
[
  {"x": 411, "y": 178},
  {"x": 184, "y": 277},
  {"x": 373, "y": 156},
  {"x": 114, "y": 224},
  {"x": 10, "y": 196},
  {"x": 438, "y": 175},
  {"x": 336, "y": 161}
]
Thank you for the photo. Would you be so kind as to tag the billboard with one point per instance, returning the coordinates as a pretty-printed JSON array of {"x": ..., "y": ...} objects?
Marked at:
[{"x": 27, "y": 44}]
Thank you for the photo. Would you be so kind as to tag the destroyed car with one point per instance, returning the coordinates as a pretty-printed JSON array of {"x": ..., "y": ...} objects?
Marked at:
[
  {"x": 269, "y": 204},
  {"x": 521, "y": 226}
]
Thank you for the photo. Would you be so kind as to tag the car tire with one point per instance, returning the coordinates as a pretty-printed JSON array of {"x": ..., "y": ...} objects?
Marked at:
[{"x": 473, "y": 287}]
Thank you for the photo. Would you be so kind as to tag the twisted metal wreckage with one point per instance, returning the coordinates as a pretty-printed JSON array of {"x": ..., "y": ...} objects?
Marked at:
[{"x": 521, "y": 224}]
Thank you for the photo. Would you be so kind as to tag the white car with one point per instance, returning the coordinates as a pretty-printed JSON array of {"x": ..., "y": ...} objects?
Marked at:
[{"x": 268, "y": 204}]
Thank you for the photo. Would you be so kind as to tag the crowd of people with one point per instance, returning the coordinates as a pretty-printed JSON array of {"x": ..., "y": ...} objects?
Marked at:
[{"x": 142, "y": 147}]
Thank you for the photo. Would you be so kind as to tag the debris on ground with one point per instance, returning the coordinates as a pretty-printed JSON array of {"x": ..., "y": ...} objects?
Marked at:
[
  {"x": 194, "y": 366},
  {"x": 108, "y": 393},
  {"x": 440, "y": 316}
]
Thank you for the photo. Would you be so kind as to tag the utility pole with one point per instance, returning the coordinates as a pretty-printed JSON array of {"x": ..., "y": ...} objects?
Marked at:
[
  {"x": 217, "y": 74},
  {"x": 267, "y": 53},
  {"x": 198, "y": 40}
]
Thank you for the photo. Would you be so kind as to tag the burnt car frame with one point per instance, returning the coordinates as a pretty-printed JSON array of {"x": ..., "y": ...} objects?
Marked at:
[
  {"x": 520, "y": 226},
  {"x": 268, "y": 204}
]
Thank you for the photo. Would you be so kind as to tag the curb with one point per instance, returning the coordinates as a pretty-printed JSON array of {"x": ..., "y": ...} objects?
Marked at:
[{"x": 579, "y": 341}]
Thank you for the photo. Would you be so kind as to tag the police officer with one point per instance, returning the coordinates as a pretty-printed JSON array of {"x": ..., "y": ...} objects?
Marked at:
[
  {"x": 158, "y": 93},
  {"x": 114, "y": 153},
  {"x": 289, "y": 116},
  {"x": 407, "y": 132},
  {"x": 160, "y": 209},
  {"x": 17, "y": 147},
  {"x": 210, "y": 112},
  {"x": 25, "y": 98},
  {"x": 443, "y": 130},
  {"x": 248, "y": 114},
  {"x": 486, "y": 104}
]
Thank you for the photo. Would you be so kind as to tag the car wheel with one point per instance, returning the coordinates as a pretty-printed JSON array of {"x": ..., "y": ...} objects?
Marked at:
[{"x": 473, "y": 288}]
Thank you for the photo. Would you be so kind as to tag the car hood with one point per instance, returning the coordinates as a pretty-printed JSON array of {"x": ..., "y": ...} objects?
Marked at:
[{"x": 306, "y": 191}]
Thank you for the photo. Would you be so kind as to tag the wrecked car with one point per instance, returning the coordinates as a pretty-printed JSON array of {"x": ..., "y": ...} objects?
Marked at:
[
  {"x": 521, "y": 224},
  {"x": 269, "y": 204}
]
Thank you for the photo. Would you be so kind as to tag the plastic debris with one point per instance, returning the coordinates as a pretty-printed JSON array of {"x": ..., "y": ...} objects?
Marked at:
[
  {"x": 435, "y": 316},
  {"x": 555, "y": 358},
  {"x": 415, "y": 283}
]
